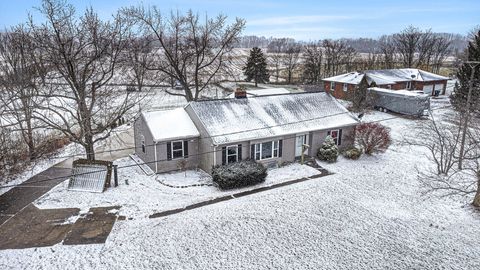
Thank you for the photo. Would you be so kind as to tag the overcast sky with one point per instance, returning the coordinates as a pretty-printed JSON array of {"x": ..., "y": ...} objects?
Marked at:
[{"x": 302, "y": 20}]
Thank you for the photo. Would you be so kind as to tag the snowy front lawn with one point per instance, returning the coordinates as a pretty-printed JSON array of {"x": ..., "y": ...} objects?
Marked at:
[
  {"x": 140, "y": 195},
  {"x": 368, "y": 215}
]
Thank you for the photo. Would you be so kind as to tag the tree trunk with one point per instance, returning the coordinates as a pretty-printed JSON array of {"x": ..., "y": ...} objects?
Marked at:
[
  {"x": 89, "y": 150},
  {"x": 256, "y": 84},
  {"x": 476, "y": 200},
  {"x": 30, "y": 141}
]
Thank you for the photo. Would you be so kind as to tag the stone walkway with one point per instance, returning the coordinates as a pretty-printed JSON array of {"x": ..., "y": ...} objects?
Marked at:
[{"x": 33, "y": 227}]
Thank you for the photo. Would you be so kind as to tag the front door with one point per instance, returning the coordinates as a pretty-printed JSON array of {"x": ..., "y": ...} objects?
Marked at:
[{"x": 299, "y": 142}]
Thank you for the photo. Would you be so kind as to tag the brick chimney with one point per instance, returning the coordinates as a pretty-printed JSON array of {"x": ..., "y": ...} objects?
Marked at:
[{"x": 240, "y": 93}]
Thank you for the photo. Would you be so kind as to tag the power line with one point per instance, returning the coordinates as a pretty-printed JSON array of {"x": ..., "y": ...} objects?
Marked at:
[
  {"x": 212, "y": 136},
  {"x": 161, "y": 160}
]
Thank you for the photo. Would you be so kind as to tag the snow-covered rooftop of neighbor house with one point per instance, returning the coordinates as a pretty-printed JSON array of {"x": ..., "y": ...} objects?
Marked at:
[
  {"x": 387, "y": 76},
  {"x": 263, "y": 92},
  {"x": 170, "y": 124},
  {"x": 235, "y": 120},
  {"x": 390, "y": 76},
  {"x": 351, "y": 78},
  {"x": 400, "y": 92}
]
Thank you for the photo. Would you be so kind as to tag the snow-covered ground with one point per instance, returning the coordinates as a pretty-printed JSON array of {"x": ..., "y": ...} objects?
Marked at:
[
  {"x": 140, "y": 195},
  {"x": 41, "y": 165},
  {"x": 368, "y": 215}
]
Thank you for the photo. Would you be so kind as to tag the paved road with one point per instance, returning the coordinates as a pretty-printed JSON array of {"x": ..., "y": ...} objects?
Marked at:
[{"x": 17, "y": 198}]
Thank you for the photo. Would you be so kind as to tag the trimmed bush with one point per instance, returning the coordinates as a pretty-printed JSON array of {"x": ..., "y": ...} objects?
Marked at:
[
  {"x": 352, "y": 153},
  {"x": 329, "y": 150},
  {"x": 239, "y": 174}
]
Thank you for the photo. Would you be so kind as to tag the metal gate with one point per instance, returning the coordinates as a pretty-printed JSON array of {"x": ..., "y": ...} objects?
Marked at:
[{"x": 92, "y": 176}]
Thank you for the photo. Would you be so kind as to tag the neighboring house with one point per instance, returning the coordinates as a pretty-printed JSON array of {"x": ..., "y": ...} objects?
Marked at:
[
  {"x": 395, "y": 79},
  {"x": 269, "y": 129},
  {"x": 263, "y": 92}
]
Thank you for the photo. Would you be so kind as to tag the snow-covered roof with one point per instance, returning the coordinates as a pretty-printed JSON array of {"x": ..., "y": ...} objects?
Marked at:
[
  {"x": 351, "y": 78},
  {"x": 170, "y": 125},
  {"x": 263, "y": 92},
  {"x": 400, "y": 92},
  {"x": 387, "y": 76},
  {"x": 234, "y": 120}
]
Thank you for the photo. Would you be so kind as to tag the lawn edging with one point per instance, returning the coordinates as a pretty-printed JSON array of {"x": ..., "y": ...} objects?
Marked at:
[{"x": 323, "y": 172}]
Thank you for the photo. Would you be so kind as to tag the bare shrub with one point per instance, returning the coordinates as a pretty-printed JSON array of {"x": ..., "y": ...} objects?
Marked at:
[{"x": 372, "y": 137}]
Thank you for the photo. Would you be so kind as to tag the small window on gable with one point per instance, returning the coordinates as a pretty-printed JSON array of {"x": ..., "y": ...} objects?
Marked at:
[
  {"x": 345, "y": 87},
  {"x": 142, "y": 138}
]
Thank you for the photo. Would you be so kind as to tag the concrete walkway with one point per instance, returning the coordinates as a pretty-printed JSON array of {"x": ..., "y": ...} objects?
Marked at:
[
  {"x": 19, "y": 197},
  {"x": 33, "y": 227}
]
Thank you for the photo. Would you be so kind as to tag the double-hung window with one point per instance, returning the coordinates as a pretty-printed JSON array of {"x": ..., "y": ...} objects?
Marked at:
[
  {"x": 332, "y": 86},
  {"x": 345, "y": 87},
  {"x": 177, "y": 149},
  {"x": 267, "y": 150},
  {"x": 409, "y": 85},
  {"x": 336, "y": 135},
  {"x": 231, "y": 154}
]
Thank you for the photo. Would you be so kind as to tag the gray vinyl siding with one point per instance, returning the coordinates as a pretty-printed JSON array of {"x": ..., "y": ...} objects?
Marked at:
[
  {"x": 245, "y": 151},
  {"x": 140, "y": 129},
  {"x": 205, "y": 143},
  {"x": 165, "y": 165},
  {"x": 149, "y": 156},
  {"x": 201, "y": 150},
  {"x": 318, "y": 137}
]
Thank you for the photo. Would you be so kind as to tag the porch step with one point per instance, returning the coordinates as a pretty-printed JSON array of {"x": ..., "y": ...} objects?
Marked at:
[{"x": 145, "y": 168}]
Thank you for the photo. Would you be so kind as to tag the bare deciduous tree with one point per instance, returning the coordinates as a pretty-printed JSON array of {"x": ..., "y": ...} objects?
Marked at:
[
  {"x": 291, "y": 59},
  {"x": 137, "y": 54},
  {"x": 191, "y": 51},
  {"x": 313, "y": 59},
  {"x": 388, "y": 50},
  {"x": 441, "y": 49},
  {"x": 425, "y": 49},
  {"x": 442, "y": 142},
  {"x": 19, "y": 81},
  {"x": 83, "y": 56},
  {"x": 406, "y": 43},
  {"x": 339, "y": 57},
  {"x": 276, "y": 61}
]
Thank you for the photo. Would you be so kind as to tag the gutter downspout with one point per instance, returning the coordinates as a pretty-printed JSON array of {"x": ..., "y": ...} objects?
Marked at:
[
  {"x": 214, "y": 155},
  {"x": 156, "y": 162}
]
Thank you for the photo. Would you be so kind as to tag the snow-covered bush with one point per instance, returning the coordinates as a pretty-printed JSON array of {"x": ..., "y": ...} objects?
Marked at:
[
  {"x": 352, "y": 153},
  {"x": 372, "y": 137},
  {"x": 329, "y": 150},
  {"x": 239, "y": 174}
]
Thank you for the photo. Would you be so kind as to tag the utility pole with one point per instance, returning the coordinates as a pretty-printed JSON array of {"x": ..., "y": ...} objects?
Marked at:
[{"x": 473, "y": 65}]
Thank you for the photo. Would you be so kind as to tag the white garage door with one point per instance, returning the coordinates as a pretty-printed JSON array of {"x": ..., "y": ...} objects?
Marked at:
[{"x": 428, "y": 89}]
